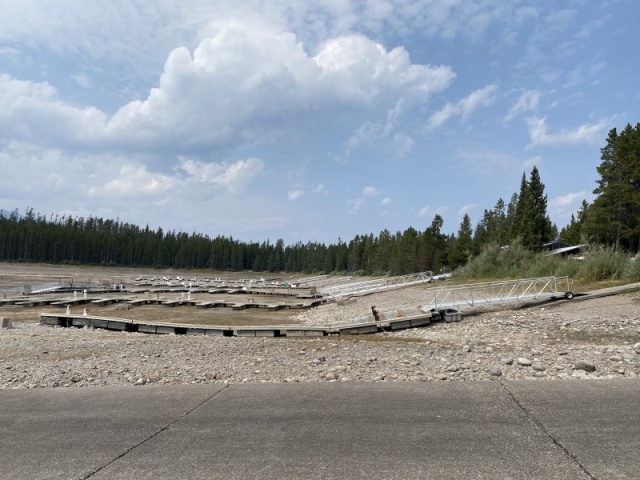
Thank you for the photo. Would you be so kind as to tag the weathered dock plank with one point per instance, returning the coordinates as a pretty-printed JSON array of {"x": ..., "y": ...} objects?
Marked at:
[
  {"x": 394, "y": 320},
  {"x": 166, "y": 330},
  {"x": 267, "y": 333},
  {"x": 99, "y": 322},
  {"x": 420, "y": 322},
  {"x": 81, "y": 321},
  {"x": 277, "y": 306},
  {"x": 195, "y": 331},
  {"x": 55, "y": 321},
  {"x": 400, "y": 325},
  {"x": 302, "y": 332},
  {"x": 357, "y": 330},
  {"x": 241, "y": 332},
  {"x": 216, "y": 332},
  {"x": 117, "y": 325},
  {"x": 143, "y": 328}
]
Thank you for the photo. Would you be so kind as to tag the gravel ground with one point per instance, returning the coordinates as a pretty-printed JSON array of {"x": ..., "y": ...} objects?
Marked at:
[{"x": 597, "y": 338}]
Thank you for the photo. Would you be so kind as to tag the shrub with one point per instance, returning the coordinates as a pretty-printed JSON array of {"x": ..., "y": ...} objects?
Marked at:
[
  {"x": 597, "y": 263},
  {"x": 632, "y": 269},
  {"x": 601, "y": 263}
]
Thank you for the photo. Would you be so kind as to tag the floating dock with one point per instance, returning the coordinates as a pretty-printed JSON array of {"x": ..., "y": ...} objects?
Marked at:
[{"x": 396, "y": 320}]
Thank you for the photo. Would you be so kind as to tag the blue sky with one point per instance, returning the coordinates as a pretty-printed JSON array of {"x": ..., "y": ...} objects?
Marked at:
[{"x": 308, "y": 121}]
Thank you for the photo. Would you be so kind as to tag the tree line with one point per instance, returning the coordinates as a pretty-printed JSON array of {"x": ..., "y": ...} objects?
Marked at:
[
  {"x": 32, "y": 237},
  {"x": 612, "y": 219}
]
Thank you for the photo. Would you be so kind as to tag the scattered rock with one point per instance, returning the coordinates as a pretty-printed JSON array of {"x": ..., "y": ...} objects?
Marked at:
[
  {"x": 488, "y": 345},
  {"x": 585, "y": 365},
  {"x": 525, "y": 362}
]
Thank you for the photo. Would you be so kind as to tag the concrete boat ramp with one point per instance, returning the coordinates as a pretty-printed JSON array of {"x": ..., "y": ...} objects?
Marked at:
[{"x": 396, "y": 320}]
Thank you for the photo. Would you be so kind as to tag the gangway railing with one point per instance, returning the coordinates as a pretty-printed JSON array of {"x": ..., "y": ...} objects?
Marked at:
[
  {"x": 378, "y": 285},
  {"x": 478, "y": 294},
  {"x": 45, "y": 287},
  {"x": 325, "y": 281}
]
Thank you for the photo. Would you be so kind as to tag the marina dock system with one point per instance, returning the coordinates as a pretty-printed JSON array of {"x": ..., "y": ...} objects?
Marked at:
[{"x": 395, "y": 320}]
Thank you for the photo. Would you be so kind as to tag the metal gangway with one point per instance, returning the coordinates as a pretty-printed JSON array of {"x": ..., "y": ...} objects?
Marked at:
[
  {"x": 44, "y": 287},
  {"x": 373, "y": 286},
  {"x": 492, "y": 293},
  {"x": 330, "y": 281}
]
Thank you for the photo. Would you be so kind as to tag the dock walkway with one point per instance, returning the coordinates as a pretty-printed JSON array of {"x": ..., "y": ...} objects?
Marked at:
[{"x": 396, "y": 320}]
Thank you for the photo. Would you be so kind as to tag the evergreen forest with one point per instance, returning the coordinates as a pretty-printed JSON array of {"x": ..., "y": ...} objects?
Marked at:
[{"x": 612, "y": 220}]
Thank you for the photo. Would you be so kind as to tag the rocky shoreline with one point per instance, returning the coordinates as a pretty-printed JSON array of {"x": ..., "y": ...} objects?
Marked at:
[{"x": 590, "y": 339}]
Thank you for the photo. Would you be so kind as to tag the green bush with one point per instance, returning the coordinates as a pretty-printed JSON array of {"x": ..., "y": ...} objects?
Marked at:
[
  {"x": 596, "y": 263},
  {"x": 498, "y": 262},
  {"x": 632, "y": 270},
  {"x": 601, "y": 263}
]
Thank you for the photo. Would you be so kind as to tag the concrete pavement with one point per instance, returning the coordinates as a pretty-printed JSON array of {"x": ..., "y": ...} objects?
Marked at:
[{"x": 458, "y": 430}]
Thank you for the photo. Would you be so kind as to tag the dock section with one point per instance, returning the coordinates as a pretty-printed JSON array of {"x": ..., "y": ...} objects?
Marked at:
[{"x": 387, "y": 321}]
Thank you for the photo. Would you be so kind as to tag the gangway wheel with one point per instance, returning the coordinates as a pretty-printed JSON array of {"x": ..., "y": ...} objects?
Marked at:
[{"x": 568, "y": 295}]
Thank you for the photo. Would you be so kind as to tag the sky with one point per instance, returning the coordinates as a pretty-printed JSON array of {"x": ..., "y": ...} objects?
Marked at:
[{"x": 308, "y": 121}]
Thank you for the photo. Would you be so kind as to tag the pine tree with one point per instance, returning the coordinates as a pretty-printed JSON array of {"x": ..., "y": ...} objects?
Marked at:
[
  {"x": 463, "y": 246},
  {"x": 542, "y": 228},
  {"x": 531, "y": 222},
  {"x": 572, "y": 233},
  {"x": 521, "y": 209},
  {"x": 433, "y": 246},
  {"x": 510, "y": 219},
  {"x": 614, "y": 216}
]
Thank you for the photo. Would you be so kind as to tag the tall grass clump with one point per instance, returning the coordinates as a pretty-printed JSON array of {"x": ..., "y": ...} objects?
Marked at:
[
  {"x": 498, "y": 262},
  {"x": 546, "y": 265},
  {"x": 602, "y": 263},
  {"x": 596, "y": 263},
  {"x": 632, "y": 270}
]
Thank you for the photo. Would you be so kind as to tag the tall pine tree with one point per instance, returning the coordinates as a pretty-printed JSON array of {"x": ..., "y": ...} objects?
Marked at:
[
  {"x": 463, "y": 245},
  {"x": 531, "y": 222},
  {"x": 614, "y": 216}
]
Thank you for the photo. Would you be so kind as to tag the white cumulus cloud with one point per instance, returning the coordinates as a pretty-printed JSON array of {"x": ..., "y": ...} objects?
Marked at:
[
  {"x": 586, "y": 133},
  {"x": 482, "y": 97},
  {"x": 242, "y": 85},
  {"x": 32, "y": 111},
  {"x": 370, "y": 191},
  {"x": 234, "y": 177},
  {"x": 295, "y": 194},
  {"x": 527, "y": 102},
  {"x": 134, "y": 181}
]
